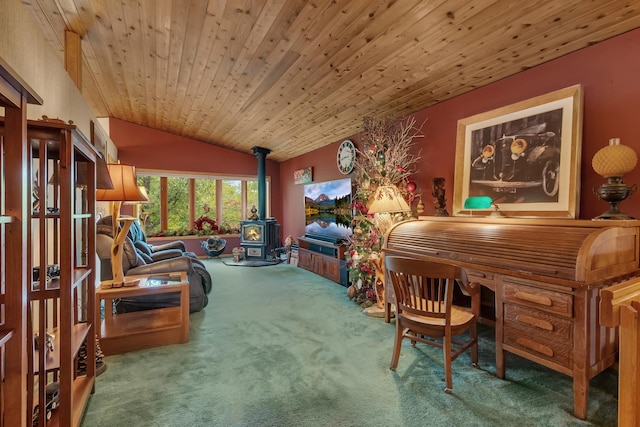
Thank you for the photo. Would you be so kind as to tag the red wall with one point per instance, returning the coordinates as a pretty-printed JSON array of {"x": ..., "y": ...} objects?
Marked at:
[
  {"x": 610, "y": 75},
  {"x": 149, "y": 148}
]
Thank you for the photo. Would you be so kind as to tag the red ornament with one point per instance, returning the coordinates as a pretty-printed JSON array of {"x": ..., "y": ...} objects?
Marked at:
[{"x": 411, "y": 186}]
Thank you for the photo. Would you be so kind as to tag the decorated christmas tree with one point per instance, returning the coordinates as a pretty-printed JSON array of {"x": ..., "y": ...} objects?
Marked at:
[{"x": 385, "y": 158}]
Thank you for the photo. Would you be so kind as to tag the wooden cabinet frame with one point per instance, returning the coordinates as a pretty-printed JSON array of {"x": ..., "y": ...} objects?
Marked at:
[
  {"x": 63, "y": 235},
  {"x": 15, "y": 94}
]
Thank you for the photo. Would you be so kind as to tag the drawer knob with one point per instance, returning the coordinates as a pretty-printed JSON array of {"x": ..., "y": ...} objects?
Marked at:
[
  {"x": 532, "y": 321},
  {"x": 536, "y": 299}
]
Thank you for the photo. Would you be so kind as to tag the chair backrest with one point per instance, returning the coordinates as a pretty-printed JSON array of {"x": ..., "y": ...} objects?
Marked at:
[
  {"x": 421, "y": 288},
  {"x": 130, "y": 255},
  {"x": 136, "y": 233}
]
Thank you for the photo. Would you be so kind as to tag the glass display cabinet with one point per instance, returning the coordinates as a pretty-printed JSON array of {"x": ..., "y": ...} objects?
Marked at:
[
  {"x": 15, "y": 94},
  {"x": 61, "y": 293}
]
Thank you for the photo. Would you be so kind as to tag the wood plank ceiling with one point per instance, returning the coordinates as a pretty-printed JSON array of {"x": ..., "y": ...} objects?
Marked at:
[{"x": 295, "y": 75}]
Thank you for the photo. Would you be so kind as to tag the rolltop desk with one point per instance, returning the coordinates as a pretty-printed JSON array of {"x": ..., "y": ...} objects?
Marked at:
[{"x": 546, "y": 275}]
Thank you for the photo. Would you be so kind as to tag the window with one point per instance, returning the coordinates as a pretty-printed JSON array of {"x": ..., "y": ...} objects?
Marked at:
[
  {"x": 252, "y": 194},
  {"x": 179, "y": 200},
  {"x": 178, "y": 204},
  {"x": 205, "y": 197},
  {"x": 150, "y": 213},
  {"x": 232, "y": 201}
]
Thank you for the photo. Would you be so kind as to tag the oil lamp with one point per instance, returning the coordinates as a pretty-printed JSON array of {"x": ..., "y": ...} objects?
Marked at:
[{"x": 613, "y": 162}]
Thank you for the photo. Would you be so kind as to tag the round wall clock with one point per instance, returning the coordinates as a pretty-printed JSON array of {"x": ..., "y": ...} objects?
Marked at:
[{"x": 346, "y": 157}]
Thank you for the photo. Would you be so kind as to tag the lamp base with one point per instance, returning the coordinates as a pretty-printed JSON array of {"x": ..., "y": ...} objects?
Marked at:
[
  {"x": 374, "y": 311},
  {"x": 614, "y": 213},
  {"x": 614, "y": 192},
  {"x": 497, "y": 213}
]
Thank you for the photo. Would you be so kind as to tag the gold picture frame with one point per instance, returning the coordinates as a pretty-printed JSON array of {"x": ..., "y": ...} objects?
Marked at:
[{"x": 525, "y": 156}]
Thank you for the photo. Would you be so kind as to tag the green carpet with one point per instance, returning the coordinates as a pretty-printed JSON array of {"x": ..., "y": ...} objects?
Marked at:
[{"x": 279, "y": 346}]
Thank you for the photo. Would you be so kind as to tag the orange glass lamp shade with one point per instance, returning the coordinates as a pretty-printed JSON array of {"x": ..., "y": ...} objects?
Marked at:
[
  {"x": 125, "y": 186},
  {"x": 613, "y": 162},
  {"x": 143, "y": 191},
  {"x": 125, "y": 189}
]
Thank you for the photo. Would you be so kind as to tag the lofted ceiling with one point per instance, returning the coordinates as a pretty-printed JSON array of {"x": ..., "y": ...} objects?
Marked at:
[{"x": 295, "y": 75}]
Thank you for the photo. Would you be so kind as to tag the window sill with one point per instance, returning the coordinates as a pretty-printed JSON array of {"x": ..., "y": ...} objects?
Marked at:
[{"x": 192, "y": 237}]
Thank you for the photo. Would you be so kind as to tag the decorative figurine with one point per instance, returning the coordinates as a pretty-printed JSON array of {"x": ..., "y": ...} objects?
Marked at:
[
  {"x": 420, "y": 207},
  {"x": 254, "y": 213},
  {"x": 439, "y": 202}
]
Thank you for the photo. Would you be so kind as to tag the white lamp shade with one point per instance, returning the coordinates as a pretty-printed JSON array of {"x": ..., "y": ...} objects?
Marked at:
[{"x": 388, "y": 200}]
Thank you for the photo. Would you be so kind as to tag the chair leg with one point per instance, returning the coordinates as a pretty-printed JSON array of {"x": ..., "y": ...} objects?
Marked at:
[
  {"x": 396, "y": 345},
  {"x": 473, "y": 335},
  {"x": 387, "y": 312},
  {"x": 447, "y": 364}
]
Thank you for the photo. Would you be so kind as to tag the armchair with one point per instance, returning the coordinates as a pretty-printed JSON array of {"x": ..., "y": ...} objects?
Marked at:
[
  {"x": 155, "y": 252},
  {"x": 136, "y": 261},
  {"x": 138, "y": 236}
]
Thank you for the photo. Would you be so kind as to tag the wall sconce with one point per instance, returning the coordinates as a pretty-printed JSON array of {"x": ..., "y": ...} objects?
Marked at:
[
  {"x": 125, "y": 189},
  {"x": 613, "y": 162},
  {"x": 483, "y": 202}
]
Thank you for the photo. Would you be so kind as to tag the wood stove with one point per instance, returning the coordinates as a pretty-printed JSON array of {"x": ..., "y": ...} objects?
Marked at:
[{"x": 260, "y": 237}]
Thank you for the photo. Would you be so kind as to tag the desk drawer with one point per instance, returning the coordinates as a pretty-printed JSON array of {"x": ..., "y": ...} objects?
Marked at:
[
  {"x": 484, "y": 278},
  {"x": 541, "y": 299},
  {"x": 539, "y": 333}
]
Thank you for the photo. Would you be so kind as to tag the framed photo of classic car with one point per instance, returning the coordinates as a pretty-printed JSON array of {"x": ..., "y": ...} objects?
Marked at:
[{"x": 525, "y": 156}]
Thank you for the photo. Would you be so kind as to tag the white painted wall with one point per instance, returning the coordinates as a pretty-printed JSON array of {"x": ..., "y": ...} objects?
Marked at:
[{"x": 24, "y": 48}]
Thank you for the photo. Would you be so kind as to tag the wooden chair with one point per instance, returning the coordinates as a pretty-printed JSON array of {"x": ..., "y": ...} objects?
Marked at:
[{"x": 425, "y": 312}]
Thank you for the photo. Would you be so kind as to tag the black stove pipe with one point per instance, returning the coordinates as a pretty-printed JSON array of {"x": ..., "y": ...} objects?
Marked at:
[{"x": 261, "y": 154}]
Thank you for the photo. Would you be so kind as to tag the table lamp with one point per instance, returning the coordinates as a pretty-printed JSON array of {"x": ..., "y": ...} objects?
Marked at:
[
  {"x": 125, "y": 189},
  {"x": 143, "y": 191},
  {"x": 482, "y": 202},
  {"x": 387, "y": 208},
  {"x": 613, "y": 162}
]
